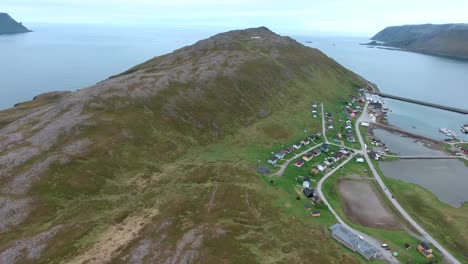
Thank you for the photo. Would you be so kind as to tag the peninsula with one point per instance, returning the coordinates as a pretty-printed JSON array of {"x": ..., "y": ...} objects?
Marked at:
[
  {"x": 9, "y": 26},
  {"x": 449, "y": 40}
]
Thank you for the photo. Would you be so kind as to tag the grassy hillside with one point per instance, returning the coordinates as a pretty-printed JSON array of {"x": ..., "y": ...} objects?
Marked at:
[
  {"x": 446, "y": 40},
  {"x": 159, "y": 163}
]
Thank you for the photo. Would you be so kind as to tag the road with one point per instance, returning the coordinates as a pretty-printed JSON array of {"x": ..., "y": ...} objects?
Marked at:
[
  {"x": 395, "y": 203},
  {"x": 324, "y": 128},
  {"x": 285, "y": 165},
  {"x": 386, "y": 254}
]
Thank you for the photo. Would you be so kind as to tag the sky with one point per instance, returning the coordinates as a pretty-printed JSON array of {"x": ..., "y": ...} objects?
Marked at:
[{"x": 353, "y": 17}]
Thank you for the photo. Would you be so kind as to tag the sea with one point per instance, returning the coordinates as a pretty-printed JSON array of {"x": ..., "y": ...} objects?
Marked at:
[{"x": 70, "y": 57}]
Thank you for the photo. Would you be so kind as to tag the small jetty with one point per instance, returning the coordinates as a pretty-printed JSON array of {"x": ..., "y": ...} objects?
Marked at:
[{"x": 399, "y": 98}]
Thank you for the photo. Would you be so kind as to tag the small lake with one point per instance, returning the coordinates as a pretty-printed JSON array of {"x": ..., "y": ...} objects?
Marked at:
[
  {"x": 403, "y": 145},
  {"x": 446, "y": 179}
]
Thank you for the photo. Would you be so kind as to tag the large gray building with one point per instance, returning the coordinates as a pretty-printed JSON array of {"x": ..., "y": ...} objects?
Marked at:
[{"x": 352, "y": 241}]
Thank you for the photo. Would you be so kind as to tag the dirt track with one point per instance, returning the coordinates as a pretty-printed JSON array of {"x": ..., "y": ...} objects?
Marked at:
[{"x": 362, "y": 205}]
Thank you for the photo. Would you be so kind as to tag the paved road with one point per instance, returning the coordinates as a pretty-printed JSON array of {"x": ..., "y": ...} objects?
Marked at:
[
  {"x": 386, "y": 254},
  {"x": 395, "y": 203}
]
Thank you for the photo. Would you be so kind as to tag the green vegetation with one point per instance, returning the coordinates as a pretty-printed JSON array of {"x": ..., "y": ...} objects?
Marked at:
[
  {"x": 447, "y": 224},
  {"x": 185, "y": 161},
  {"x": 396, "y": 239}
]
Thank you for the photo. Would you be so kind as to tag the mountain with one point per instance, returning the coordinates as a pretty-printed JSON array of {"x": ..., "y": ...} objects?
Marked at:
[
  {"x": 159, "y": 163},
  {"x": 9, "y": 26},
  {"x": 445, "y": 40}
]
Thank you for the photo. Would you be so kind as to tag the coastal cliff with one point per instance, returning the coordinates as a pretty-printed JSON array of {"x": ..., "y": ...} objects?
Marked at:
[
  {"x": 9, "y": 26},
  {"x": 449, "y": 40}
]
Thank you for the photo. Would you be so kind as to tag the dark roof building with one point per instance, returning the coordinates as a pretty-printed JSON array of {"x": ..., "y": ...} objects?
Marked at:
[
  {"x": 308, "y": 192},
  {"x": 352, "y": 241}
]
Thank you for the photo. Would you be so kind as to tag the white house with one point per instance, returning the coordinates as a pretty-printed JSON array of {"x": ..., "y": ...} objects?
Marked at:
[
  {"x": 305, "y": 184},
  {"x": 360, "y": 160}
]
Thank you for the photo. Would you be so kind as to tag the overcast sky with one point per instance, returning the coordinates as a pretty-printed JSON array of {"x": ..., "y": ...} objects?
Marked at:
[{"x": 295, "y": 16}]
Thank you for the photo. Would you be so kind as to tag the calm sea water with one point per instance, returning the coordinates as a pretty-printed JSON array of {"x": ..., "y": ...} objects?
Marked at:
[
  {"x": 69, "y": 57},
  {"x": 418, "y": 76}
]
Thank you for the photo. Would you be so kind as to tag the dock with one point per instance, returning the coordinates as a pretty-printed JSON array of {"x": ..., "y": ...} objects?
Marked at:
[{"x": 443, "y": 107}]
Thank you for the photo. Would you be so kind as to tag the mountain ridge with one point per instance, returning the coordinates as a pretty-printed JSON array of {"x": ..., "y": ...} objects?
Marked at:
[
  {"x": 449, "y": 40},
  {"x": 157, "y": 164}
]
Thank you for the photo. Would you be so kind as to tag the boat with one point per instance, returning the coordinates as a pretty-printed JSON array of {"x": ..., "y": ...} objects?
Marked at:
[
  {"x": 444, "y": 131},
  {"x": 464, "y": 128}
]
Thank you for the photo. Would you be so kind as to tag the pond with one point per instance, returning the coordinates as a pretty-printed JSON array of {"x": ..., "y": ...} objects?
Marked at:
[{"x": 445, "y": 178}]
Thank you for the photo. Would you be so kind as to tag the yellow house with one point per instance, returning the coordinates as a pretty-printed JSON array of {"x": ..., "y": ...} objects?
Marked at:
[{"x": 424, "y": 249}]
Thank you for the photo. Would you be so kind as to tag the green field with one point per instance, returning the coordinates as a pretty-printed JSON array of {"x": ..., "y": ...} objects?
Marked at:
[{"x": 394, "y": 238}]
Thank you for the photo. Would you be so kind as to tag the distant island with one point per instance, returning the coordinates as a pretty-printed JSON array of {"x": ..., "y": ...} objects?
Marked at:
[
  {"x": 449, "y": 40},
  {"x": 9, "y": 26}
]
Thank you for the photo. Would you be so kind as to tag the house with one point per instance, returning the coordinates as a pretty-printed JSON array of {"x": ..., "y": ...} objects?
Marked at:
[
  {"x": 273, "y": 160},
  {"x": 299, "y": 163},
  {"x": 326, "y": 163},
  {"x": 325, "y": 148},
  {"x": 297, "y": 146},
  {"x": 331, "y": 159},
  {"x": 336, "y": 140},
  {"x": 280, "y": 154},
  {"x": 365, "y": 124},
  {"x": 330, "y": 127},
  {"x": 374, "y": 155},
  {"x": 424, "y": 249},
  {"x": 307, "y": 157},
  {"x": 305, "y": 141},
  {"x": 316, "y": 199},
  {"x": 317, "y": 152},
  {"x": 348, "y": 127},
  {"x": 315, "y": 213},
  {"x": 350, "y": 138},
  {"x": 314, "y": 170},
  {"x": 305, "y": 184},
  {"x": 312, "y": 138},
  {"x": 289, "y": 149},
  {"x": 321, "y": 167},
  {"x": 359, "y": 160},
  {"x": 308, "y": 192}
]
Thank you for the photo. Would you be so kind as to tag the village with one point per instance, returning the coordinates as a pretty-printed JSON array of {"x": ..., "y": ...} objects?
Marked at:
[{"x": 317, "y": 156}]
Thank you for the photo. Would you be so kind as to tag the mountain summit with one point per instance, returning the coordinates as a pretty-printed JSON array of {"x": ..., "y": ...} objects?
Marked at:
[
  {"x": 158, "y": 164},
  {"x": 9, "y": 26}
]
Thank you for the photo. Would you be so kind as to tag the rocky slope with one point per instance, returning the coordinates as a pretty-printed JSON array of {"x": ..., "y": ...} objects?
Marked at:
[
  {"x": 155, "y": 165},
  {"x": 9, "y": 26},
  {"x": 445, "y": 40}
]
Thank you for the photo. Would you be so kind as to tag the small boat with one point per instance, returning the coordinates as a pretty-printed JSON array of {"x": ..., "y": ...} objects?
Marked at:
[{"x": 444, "y": 131}]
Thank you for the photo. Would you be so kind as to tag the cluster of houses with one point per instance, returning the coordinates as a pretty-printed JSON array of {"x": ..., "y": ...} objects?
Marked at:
[
  {"x": 314, "y": 110},
  {"x": 379, "y": 149},
  {"x": 375, "y": 105},
  {"x": 281, "y": 154},
  {"x": 329, "y": 161},
  {"x": 310, "y": 192},
  {"x": 310, "y": 155}
]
